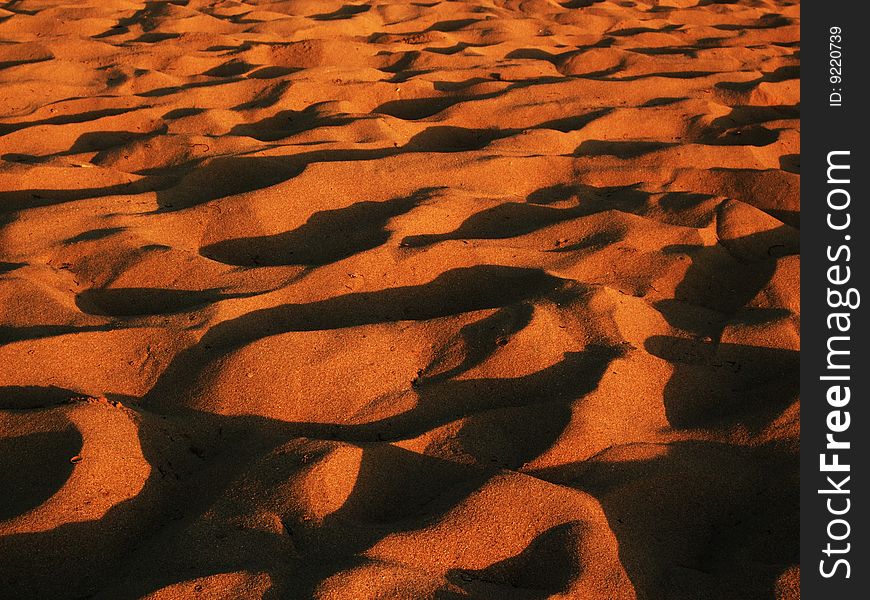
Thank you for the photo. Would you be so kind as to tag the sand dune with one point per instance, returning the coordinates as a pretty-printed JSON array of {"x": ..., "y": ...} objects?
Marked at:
[{"x": 399, "y": 299}]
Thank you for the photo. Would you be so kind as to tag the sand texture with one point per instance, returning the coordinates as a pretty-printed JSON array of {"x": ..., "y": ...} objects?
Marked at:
[{"x": 484, "y": 299}]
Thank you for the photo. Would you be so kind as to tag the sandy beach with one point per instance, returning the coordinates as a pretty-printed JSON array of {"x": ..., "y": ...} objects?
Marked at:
[{"x": 392, "y": 299}]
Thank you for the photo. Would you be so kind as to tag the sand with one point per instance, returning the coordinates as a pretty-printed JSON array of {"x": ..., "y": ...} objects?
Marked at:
[{"x": 399, "y": 299}]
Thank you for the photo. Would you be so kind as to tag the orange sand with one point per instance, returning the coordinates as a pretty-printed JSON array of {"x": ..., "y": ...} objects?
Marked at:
[{"x": 489, "y": 299}]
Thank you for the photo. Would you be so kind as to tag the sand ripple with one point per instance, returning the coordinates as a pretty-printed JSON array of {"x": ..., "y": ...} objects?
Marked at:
[{"x": 389, "y": 299}]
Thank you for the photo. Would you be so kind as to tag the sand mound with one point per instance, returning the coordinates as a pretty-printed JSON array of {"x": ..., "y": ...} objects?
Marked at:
[{"x": 388, "y": 299}]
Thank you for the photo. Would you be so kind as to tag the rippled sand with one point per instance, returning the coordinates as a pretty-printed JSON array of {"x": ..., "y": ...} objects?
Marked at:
[{"x": 485, "y": 299}]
